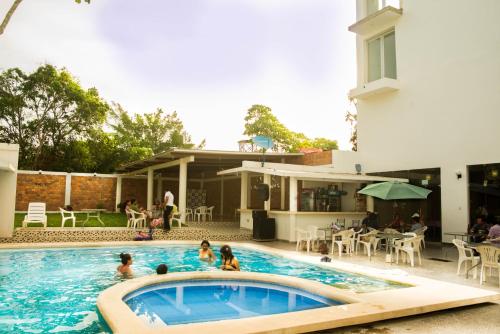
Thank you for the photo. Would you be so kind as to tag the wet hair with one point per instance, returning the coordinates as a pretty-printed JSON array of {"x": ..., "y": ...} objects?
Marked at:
[
  {"x": 226, "y": 253},
  {"x": 415, "y": 219},
  {"x": 205, "y": 242},
  {"x": 162, "y": 269},
  {"x": 125, "y": 257}
]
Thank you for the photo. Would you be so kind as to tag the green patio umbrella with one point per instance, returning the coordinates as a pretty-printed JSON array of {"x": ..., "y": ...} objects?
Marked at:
[{"x": 395, "y": 190}]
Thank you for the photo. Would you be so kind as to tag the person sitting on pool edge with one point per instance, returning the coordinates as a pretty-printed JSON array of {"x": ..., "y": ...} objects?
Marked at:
[
  {"x": 205, "y": 253},
  {"x": 229, "y": 261},
  {"x": 162, "y": 269},
  {"x": 124, "y": 268}
]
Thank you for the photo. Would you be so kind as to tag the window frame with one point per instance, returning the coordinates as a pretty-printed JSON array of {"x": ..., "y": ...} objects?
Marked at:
[{"x": 380, "y": 36}]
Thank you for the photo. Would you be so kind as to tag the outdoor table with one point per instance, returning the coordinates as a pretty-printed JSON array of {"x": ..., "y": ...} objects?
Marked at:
[
  {"x": 329, "y": 230},
  {"x": 390, "y": 237},
  {"x": 93, "y": 213}
]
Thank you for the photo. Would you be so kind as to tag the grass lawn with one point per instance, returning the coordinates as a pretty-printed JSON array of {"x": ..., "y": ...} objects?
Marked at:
[{"x": 54, "y": 220}]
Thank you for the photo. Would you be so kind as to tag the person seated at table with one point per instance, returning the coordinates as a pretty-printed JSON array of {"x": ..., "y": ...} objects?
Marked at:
[
  {"x": 125, "y": 269},
  {"x": 397, "y": 223},
  {"x": 479, "y": 230},
  {"x": 416, "y": 224},
  {"x": 494, "y": 234},
  {"x": 205, "y": 252},
  {"x": 229, "y": 261},
  {"x": 370, "y": 221}
]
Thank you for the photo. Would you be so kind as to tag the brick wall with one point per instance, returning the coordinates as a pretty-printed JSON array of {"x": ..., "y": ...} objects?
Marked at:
[
  {"x": 314, "y": 159},
  {"x": 49, "y": 189},
  {"x": 137, "y": 189},
  {"x": 89, "y": 192}
]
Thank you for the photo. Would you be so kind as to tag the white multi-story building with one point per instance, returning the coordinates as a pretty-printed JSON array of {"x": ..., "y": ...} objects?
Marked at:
[{"x": 428, "y": 97}]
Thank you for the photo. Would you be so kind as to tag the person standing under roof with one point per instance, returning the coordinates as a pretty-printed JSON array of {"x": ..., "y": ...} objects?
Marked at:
[{"x": 169, "y": 206}]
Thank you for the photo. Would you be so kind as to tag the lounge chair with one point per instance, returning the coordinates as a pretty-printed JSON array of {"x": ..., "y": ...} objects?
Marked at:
[{"x": 36, "y": 214}]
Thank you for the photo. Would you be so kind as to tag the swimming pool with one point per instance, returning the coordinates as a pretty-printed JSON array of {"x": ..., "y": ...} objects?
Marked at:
[
  {"x": 55, "y": 290},
  {"x": 185, "y": 302}
]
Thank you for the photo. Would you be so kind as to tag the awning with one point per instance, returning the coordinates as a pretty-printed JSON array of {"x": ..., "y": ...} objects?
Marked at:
[{"x": 301, "y": 172}]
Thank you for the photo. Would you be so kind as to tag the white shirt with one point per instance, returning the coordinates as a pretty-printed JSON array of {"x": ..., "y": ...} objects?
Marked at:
[{"x": 169, "y": 198}]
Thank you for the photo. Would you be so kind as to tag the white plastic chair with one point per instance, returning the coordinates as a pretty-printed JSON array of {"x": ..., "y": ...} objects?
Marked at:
[
  {"x": 36, "y": 214},
  {"x": 189, "y": 214},
  {"x": 67, "y": 215},
  {"x": 355, "y": 239},
  {"x": 409, "y": 247},
  {"x": 176, "y": 219},
  {"x": 136, "y": 219},
  {"x": 489, "y": 259},
  {"x": 466, "y": 255},
  {"x": 315, "y": 235},
  {"x": 200, "y": 212},
  {"x": 302, "y": 236},
  {"x": 345, "y": 241},
  {"x": 421, "y": 233},
  {"x": 367, "y": 240},
  {"x": 210, "y": 211}
]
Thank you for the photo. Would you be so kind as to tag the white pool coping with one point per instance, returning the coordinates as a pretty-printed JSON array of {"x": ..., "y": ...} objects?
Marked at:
[{"x": 424, "y": 295}]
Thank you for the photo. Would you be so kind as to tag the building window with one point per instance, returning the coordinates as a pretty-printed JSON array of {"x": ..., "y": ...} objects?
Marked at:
[
  {"x": 381, "y": 52},
  {"x": 375, "y": 5}
]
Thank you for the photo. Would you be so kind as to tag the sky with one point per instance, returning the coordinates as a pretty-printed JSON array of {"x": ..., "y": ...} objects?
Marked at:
[{"x": 209, "y": 60}]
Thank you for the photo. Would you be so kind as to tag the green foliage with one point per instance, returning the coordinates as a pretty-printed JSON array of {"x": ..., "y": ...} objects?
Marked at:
[
  {"x": 156, "y": 132},
  {"x": 110, "y": 219},
  {"x": 260, "y": 121},
  {"x": 47, "y": 113}
]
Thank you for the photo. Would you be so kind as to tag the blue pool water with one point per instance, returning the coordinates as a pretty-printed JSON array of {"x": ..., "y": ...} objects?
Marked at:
[
  {"x": 55, "y": 290},
  {"x": 209, "y": 300}
]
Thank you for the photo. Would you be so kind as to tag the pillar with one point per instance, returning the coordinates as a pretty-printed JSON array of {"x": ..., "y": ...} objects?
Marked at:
[
  {"x": 118, "y": 198},
  {"x": 182, "y": 189},
  {"x": 293, "y": 207},
  {"x": 221, "y": 211},
  {"x": 150, "y": 188},
  {"x": 267, "y": 180},
  {"x": 244, "y": 191},
  {"x": 67, "y": 191},
  {"x": 370, "y": 204},
  {"x": 159, "y": 188},
  {"x": 283, "y": 192}
]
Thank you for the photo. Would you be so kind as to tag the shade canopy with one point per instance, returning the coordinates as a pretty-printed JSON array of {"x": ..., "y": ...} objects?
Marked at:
[{"x": 395, "y": 190}]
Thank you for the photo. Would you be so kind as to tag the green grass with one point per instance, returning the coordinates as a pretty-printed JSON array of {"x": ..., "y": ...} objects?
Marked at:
[{"x": 54, "y": 220}]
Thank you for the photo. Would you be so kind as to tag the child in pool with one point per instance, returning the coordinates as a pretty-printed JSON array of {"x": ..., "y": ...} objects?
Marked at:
[
  {"x": 229, "y": 261},
  {"x": 205, "y": 253},
  {"x": 125, "y": 268}
]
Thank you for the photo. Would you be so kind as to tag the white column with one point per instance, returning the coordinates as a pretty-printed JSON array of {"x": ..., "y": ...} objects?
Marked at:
[
  {"x": 8, "y": 185},
  {"x": 244, "y": 191},
  {"x": 293, "y": 207},
  {"x": 118, "y": 197},
  {"x": 150, "y": 188},
  {"x": 370, "y": 204},
  {"x": 67, "y": 191},
  {"x": 283, "y": 192},
  {"x": 249, "y": 190},
  {"x": 454, "y": 199},
  {"x": 267, "y": 180},
  {"x": 182, "y": 188},
  {"x": 221, "y": 211},
  {"x": 159, "y": 188}
]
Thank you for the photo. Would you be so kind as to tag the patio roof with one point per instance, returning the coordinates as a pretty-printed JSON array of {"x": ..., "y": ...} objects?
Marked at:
[
  {"x": 301, "y": 172},
  {"x": 205, "y": 159}
]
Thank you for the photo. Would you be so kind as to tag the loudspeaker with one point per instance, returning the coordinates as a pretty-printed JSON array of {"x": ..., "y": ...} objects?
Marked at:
[{"x": 263, "y": 192}]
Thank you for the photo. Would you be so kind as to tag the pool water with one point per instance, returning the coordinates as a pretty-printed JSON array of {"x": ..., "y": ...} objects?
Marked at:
[
  {"x": 210, "y": 300},
  {"x": 55, "y": 290}
]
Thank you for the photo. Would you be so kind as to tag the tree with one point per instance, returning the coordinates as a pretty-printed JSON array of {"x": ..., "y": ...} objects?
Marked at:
[
  {"x": 148, "y": 134},
  {"x": 260, "y": 121},
  {"x": 353, "y": 122},
  {"x": 11, "y": 11},
  {"x": 46, "y": 113}
]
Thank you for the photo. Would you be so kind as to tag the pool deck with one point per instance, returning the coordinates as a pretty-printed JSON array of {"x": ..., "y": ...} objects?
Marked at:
[{"x": 426, "y": 295}]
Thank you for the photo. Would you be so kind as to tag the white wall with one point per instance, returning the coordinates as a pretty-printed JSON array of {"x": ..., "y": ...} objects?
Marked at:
[
  {"x": 446, "y": 113},
  {"x": 9, "y": 154}
]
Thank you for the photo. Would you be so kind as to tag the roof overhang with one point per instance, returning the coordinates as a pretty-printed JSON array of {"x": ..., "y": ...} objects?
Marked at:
[{"x": 311, "y": 173}]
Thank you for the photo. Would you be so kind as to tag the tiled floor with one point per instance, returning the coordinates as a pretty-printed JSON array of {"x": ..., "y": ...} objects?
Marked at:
[{"x": 479, "y": 319}]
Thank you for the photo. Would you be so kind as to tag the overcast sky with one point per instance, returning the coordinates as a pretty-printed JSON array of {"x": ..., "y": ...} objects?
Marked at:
[{"x": 209, "y": 60}]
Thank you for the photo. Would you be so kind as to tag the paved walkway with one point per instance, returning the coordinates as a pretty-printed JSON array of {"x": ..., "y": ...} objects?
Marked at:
[{"x": 478, "y": 319}]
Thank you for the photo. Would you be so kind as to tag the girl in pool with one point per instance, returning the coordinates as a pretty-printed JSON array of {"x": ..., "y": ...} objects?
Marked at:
[
  {"x": 124, "y": 268},
  {"x": 229, "y": 262},
  {"x": 205, "y": 253}
]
